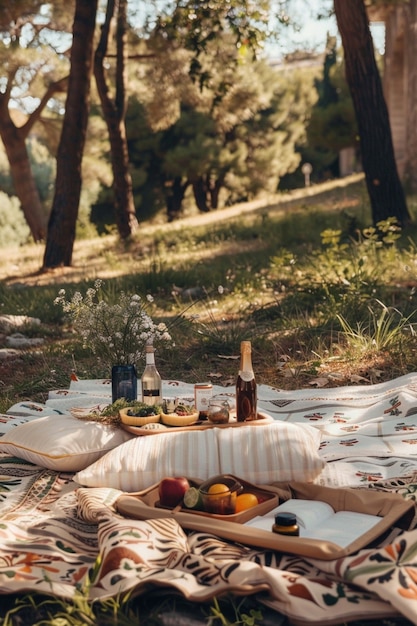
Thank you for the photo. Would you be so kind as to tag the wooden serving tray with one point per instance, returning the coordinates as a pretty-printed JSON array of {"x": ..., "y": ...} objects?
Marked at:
[
  {"x": 392, "y": 508},
  {"x": 262, "y": 420},
  {"x": 268, "y": 500}
]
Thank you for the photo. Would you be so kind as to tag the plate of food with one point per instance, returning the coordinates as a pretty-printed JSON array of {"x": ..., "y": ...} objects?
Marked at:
[
  {"x": 174, "y": 422},
  {"x": 142, "y": 414}
]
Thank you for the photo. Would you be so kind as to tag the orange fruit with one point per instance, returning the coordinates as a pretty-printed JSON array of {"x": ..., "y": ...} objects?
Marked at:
[
  {"x": 245, "y": 501},
  {"x": 218, "y": 489}
]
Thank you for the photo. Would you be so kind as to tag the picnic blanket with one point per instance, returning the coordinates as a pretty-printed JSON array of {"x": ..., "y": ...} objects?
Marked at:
[{"x": 59, "y": 538}]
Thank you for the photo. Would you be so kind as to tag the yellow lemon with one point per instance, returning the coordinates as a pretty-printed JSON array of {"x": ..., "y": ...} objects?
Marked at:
[{"x": 218, "y": 489}]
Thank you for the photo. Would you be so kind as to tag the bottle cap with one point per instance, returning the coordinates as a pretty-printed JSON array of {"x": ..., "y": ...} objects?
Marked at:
[{"x": 285, "y": 519}]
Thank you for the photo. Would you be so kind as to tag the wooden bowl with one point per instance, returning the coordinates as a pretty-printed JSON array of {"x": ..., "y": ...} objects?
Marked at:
[
  {"x": 137, "y": 420},
  {"x": 173, "y": 419}
]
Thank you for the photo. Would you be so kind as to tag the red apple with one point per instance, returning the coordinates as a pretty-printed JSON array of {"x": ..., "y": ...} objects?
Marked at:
[{"x": 171, "y": 490}]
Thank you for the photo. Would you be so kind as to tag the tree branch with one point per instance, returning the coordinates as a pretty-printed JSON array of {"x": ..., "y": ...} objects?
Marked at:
[{"x": 57, "y": 86}]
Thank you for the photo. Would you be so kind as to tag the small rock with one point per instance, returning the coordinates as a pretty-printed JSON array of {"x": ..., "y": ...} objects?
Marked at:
[
  {"x": 9, "y": 322},
  {"x": 7, "y": 353},
  {"x": 17, "y": 340}
]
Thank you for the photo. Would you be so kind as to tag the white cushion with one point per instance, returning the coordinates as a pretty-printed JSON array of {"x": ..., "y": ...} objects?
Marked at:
[
  {"x": 145, "y": 460},
  {"x": 261, "y": 454},
  {"x": 61, "y": 442},
  {"x": 279, "y": 451}
]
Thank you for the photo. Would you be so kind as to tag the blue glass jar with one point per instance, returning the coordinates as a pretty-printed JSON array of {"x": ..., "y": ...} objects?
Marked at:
[{"x": 124, "y": 382}]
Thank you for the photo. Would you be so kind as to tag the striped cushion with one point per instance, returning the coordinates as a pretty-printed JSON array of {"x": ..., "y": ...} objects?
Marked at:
[
  {"x": 144, "y": 461},
  {"x": 277, "y": 451}
]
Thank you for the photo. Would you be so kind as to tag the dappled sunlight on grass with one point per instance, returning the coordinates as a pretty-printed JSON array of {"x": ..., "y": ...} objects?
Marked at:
[{"x": 299, "y": 278}]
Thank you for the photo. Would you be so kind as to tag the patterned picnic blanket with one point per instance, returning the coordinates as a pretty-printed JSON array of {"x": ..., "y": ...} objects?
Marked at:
[{"x": 57, "y": 537}]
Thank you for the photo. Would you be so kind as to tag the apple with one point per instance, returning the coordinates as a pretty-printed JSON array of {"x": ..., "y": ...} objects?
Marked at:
[{"x": 171, "y": 490}]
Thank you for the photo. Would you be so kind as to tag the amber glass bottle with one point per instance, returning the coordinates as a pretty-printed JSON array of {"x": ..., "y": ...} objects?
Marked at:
[
  {"x": 286, "y": 524},
  {"x": 246, "y": 396}
]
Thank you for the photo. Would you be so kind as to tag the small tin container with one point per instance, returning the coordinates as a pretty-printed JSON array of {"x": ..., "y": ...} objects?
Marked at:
[
  {"x": 286, "y": 524},
  {"x": 202, "y": 397},
  {"x": 124, "y": 382}
]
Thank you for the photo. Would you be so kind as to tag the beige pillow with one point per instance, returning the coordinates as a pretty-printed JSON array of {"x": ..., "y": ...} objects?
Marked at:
[
  {"x": 277, "y": 451},
  {"x": 61, "y": 442},
  {"x": 145, "y": 460}
]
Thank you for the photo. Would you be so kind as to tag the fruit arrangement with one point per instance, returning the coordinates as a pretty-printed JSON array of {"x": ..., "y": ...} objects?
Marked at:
[
  {"x": 222, "y": 495},
  {"x": 184, "y": 415}
]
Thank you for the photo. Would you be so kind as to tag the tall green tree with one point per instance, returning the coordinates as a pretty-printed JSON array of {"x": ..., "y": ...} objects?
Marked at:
[
  {"x": 232, "y": 137},
  {"x": 62, "y": 221},
  {"x": 242, "y": 20},
  {"x": 30, "y": 70},
  {"x": 378, "y": 159}
]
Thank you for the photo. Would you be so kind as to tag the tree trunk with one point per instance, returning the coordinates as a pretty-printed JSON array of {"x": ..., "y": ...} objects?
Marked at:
[
  {"x": 63, "y": 218},
  {"x": 214, "y": 191},
  {"x": 114, "y": 115},
  {"x": 174, "y": 197},
  {"x": 200, "y": 195},
  {"x": 22, "y": 176},
  {"x": 411, "y": 121},
  {"x": 378, "y": 160},
  {"x": 14, "y": 141}
]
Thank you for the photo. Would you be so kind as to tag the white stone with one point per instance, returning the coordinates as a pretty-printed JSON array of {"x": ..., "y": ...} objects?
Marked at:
[
  {"x": 17, "y": 340},
  {"x": 8, "y": 322},
  {"x": 7, "y": 353}
]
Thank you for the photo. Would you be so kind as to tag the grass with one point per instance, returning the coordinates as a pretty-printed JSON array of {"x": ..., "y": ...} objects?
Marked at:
[{"x": 325, "y": 298}]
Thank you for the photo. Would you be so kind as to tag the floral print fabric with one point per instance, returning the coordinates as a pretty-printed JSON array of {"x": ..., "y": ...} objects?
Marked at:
[{"x": 58, "y": 538}]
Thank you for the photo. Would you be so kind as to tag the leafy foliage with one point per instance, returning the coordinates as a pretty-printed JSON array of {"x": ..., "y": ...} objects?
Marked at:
[
  {"x": 332, "y": 124},
  {"x": 224, "y": 142},
  {"x": 13, "y": 228}
]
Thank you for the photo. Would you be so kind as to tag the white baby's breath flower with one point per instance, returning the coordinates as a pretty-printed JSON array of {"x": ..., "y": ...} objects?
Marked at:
[{"x": 116, "y": 332}]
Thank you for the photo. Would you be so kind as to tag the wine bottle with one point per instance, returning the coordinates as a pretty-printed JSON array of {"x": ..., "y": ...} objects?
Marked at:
[
  {"x": 246, "y": 395},
  {"x": 151, "y": 380}
]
